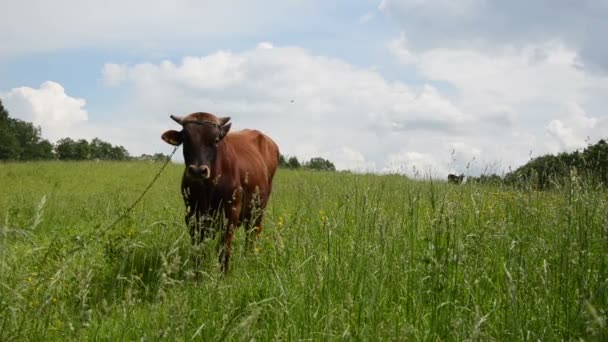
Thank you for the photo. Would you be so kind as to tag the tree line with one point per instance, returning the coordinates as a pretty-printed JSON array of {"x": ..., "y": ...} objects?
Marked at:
[
  {"x": 316, "y": 163},
  {"x": 21, "y": 140},
  {"x": 548, "y": 171}
]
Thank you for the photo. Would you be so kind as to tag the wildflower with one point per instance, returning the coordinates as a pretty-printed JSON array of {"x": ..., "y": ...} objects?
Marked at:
[
  {"x": 257, "y": 250},
  {"x": 324, "y": 218},
  {"x": 280, "y": 223}
]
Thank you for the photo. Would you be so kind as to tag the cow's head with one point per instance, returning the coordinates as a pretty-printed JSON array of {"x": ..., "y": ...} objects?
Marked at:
[{"x": 201, "y": 133}]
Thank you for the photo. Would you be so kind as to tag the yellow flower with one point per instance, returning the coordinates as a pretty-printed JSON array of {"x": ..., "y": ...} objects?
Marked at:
[{"x": 324, "y": 217}]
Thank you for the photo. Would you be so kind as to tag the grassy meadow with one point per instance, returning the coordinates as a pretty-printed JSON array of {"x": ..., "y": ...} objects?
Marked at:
[{"x": 341, "y": 256}]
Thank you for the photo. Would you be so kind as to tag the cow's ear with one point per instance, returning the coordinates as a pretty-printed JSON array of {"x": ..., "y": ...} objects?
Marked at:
[
  {"x": 224, "y": 120},
  {"x": 172, "y": 137},
  {"x": 225, "y": 129}
]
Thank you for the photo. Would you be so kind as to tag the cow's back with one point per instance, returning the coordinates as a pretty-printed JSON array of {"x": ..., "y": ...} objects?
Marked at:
[
  {"x": 257, "y": 155},
  {"x": 255, "y": 159}
]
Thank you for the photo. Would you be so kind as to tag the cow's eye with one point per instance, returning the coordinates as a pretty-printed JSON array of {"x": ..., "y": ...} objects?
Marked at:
[{"x": 217, "y": 140}]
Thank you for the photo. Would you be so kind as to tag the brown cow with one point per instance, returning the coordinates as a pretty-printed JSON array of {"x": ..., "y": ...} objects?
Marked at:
[
  {"x": 227, "y": 176},
  {"x": 452, "y": 178}
]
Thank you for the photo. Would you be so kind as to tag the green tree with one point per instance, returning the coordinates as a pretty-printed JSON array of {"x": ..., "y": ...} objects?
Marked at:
[
  {"x": 9, "y": 145},
  {"x": 33, "y": 147},
  {"x": 156, "y": 157},
  {"x": 119, "y": 153},
  {"x": 100, "y": 149},
  {"x": 82, "y": 150},
  {"x": 594, "y": 162},
  {"x": 68, "y": 149},
  {"x": 65, "y": 149},
  {"x": 282, "y": 161},
  {"x": 21, "y": 140},
  {"x": 548, "y": 171},
  {"x": 320, "y": 164},
  {"x": 293, "y": 163}
]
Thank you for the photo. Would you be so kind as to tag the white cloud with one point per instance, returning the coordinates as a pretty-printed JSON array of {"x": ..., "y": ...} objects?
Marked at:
[
  {"x": 48, "y": 106},
  {"x": 367, "y": 17},
  {"x": 31, "y": 26},
  {"x": 481, "y": 24},
  {"x": 479, "y": 108},
  {"x": 265, "y": 45},
  {"x": 346, "y": 158},
  {"x": 60, "y": 115},
  {"x": 415, "y": 164},
  {"x": 400, "y": 49},
  {"x": 576, "y": 130},
  {"x": 449, "y": 8},
  {"x": 547, "y": 71},
  {"x": 312, "y": 105},
  {"x": 114, "y": 74},
  {"x": 449, "y": 157},
  {"x": 564, "y": 135},
  {"x": 534, "y": 90}
]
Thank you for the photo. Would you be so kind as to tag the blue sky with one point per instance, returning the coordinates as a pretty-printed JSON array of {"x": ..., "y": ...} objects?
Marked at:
[{"x": 428, "y": 86}]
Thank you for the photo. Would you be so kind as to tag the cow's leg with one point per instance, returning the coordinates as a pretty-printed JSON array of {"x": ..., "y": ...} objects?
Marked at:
[
  {"x": 254, "y": 219},
  {"x": 227, "y": 246},
  {"x": 191, "y": 209},
  {"x": 233, "y": 216},
  {"x": 195, "y": 222},
  {"x": 257, "y": 225},
  {"x": 232, "y": 224}
]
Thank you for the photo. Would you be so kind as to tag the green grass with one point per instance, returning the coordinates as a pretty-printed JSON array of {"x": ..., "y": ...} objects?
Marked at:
[{"x": 340, "y": 256}]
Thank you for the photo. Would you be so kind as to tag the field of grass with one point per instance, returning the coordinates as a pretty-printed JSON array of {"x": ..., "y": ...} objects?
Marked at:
[{"x": 340, "y": 256}]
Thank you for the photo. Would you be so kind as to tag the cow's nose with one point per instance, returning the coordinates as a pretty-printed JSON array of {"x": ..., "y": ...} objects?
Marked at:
[
  {"x": 205, "y": 171},
  {"x": 199, "y": 171},
  {"x": 194, "y": 170}
]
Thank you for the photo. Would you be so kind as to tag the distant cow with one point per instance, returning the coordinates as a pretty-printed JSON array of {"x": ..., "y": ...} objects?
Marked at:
[
  {"x": 452, "y": 178},
  {"x": 228, "y": 176}
]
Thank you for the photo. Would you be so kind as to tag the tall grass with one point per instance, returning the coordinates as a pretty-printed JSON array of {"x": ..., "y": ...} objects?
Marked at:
[{"x": 340, "y": 256}]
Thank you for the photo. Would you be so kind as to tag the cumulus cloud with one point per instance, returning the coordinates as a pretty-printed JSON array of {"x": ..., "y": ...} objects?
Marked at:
[
  {"x": 313, "y": 105},
  {"x": 49, "y": 107},
  {"x": 536, "y": 90},
  {"x": 346, "y": 158},
  {"x": 415, "y": 164},
  {"x": 476, "y": 23},
  {"x": 60, "y": 115},
  {"x": 367, "y": 17},
  {"x": 547, "y": 71},
  {"x": 576, "y": 130},
  {"x": 31, "y": 26},
  {"x": 496, "y": 115},
  {"x": 114, "y": 74}
]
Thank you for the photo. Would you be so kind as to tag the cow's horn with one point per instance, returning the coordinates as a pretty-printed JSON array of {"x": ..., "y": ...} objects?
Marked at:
[
  {"x": 224, "y": 120},
  {"x": 177, "y": 119}
]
